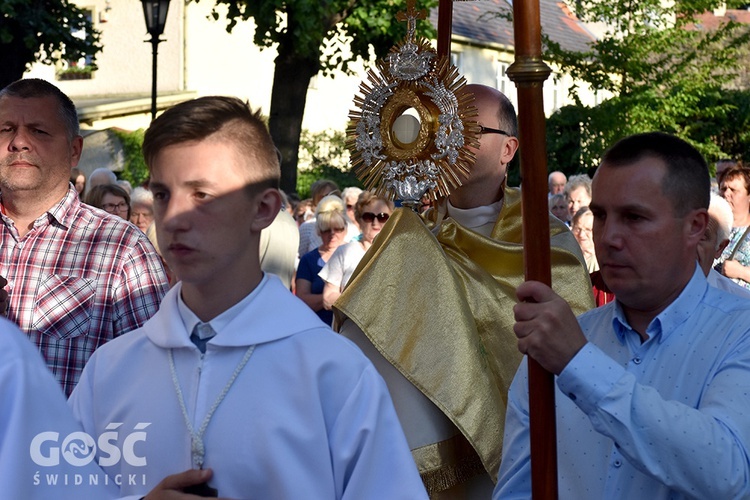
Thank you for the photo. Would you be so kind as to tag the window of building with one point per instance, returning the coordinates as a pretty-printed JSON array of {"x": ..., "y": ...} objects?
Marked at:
[
  {"x": 504, "y": 84},
  {"x": 81, "y": 69}
]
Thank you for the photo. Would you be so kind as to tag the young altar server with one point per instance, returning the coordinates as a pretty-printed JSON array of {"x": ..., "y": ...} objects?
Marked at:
[{"x": 234, "y": 373}]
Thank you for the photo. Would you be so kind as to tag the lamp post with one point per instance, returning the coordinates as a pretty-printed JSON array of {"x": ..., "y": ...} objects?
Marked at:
[{"x": 155, "y": 12}]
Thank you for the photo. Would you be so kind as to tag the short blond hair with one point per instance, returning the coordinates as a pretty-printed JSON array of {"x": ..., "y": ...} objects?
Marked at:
[{"x": 330, "y": 214}]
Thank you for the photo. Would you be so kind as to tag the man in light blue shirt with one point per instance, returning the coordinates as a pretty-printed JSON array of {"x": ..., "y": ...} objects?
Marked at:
[{"x": 652, "y": 389}]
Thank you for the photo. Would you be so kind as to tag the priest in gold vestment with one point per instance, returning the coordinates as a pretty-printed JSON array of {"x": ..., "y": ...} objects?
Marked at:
[{"x": 431, "y": 306}]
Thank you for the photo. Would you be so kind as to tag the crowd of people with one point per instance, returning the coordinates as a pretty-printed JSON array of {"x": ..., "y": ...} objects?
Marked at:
[
  {"x": 569, "y": 199},
  {"x": 189, "y": 322}
]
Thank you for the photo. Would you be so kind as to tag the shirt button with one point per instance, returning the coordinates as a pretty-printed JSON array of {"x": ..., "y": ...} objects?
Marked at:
[
  {"x": 572, "y": 396},
  {"x": 637, "y": 361},
  {"x": 617, "y": 463}
]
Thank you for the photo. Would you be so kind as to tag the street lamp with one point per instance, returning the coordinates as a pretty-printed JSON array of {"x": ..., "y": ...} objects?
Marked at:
[{"x": 155, "y": 12}]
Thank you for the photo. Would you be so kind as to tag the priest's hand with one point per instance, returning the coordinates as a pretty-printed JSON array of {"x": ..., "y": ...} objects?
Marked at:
[
  {"x": 171, "y": 487},
  {"x": 546, "y": 327}
]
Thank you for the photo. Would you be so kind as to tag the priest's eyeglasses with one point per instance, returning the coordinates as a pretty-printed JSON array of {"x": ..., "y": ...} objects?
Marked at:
[
  {"x": 370, "y": 217},
  {"x": 487, "y": 130}
]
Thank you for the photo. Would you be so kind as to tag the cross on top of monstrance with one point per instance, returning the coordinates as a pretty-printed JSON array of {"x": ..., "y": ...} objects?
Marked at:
[
  {"x": 409, "y": 131},
  {"x": 410, "y": 16}
]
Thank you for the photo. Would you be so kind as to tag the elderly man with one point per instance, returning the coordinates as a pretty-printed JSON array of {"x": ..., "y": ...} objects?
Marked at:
[
  {"x": 441, "y": 332},
  {"x": 652, "y": 388},
  {"x": 556, "y": 182},
  {"x": 99, "y": 176},
  {"x": 77, "y": 276}
]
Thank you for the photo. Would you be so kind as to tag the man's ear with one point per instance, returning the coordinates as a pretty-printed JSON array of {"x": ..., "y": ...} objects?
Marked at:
[
  {"x": 76, "y": 147},
  {"x": 696, "y": 224},
  {"x": 268, "y": 203},
  {"x": 509, "y": 150}
]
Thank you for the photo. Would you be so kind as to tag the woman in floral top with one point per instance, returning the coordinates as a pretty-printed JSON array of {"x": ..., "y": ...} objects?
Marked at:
[{"x": 734, "y": 263}]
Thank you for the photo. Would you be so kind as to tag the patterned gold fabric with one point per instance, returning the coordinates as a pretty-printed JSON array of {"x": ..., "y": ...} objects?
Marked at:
[
  {"x": 447, "y": 463},
  {"x": 439, "y": 309}
]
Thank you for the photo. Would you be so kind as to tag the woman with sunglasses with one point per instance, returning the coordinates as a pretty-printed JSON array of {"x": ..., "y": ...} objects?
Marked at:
[
  {"x": 372, "y": 212},
  {"x": 331, "y": 224}
]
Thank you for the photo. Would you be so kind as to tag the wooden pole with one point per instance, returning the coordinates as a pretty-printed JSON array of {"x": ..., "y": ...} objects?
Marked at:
[
  {"x": 529, "y": 72},
  {"x": 445, "y": 27}
]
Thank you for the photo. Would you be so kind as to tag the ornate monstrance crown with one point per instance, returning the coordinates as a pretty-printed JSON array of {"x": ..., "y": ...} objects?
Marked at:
[{"x": 409, "y": 133}]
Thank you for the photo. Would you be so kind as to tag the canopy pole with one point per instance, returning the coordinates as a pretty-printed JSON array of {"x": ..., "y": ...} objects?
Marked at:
[
  {"x": 445, "y": 27},
  {"x": 529, "y": 72}
]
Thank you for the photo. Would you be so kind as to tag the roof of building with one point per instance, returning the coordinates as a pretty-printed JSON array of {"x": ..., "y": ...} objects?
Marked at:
[
  {"x": 477, "y": 20},
  {"x": 92, "y": 108},
  {"x": 710, "y": 22}
]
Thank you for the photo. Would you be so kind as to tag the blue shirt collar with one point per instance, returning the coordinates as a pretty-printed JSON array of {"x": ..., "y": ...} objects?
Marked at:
[{"x": 674, "y": 315}]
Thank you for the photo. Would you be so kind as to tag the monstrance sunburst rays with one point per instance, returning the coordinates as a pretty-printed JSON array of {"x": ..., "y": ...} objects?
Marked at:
[{"x": 412, "y": 123}]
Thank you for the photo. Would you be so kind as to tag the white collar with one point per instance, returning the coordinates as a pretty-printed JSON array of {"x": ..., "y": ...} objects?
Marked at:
[
  {"x": 472, "y": 218},
  {"x": 189, "y": 318},
  {"x": 162, "y": 329}
]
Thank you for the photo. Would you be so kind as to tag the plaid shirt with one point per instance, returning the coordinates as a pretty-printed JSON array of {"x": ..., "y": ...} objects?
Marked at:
[{"x": 79, "y": 278}]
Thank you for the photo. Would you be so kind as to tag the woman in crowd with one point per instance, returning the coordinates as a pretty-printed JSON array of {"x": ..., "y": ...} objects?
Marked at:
[
  {"x": 371, "y": 212},
  {"x": 350, "y": 196},
  {"x": 331, "y": 224},
  {"x": 308, "y": 239},
  {"x": 110, "y": 198},
  {"x": 303, "y": 212},
  {"x": 734, "y": 185},
  {"x": 558, "y": 206}
]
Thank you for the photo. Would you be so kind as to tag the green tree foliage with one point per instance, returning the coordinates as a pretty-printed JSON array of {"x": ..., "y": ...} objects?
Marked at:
[
  {"x": 310, "y": 37},
  {"x": 730, "y": 130},
  {"x": 323, "y": 155},
  {"x": 665, "y": 73},
  {"x": 134, "y": 170},
  {"x": 45, "y": 31}
]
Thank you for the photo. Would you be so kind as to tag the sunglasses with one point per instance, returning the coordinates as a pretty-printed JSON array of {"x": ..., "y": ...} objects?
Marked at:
[{"x": 370, "y": 217}]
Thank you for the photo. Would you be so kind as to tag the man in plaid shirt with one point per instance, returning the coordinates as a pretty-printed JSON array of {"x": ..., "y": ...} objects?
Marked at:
[{"x": 77, "y": 276}]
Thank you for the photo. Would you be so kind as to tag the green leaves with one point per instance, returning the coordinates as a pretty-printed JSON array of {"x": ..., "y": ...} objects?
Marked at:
[
  {"x": 44, "y": 31},
  {"x": 135, "y": 169},
  {"x": 312, "y": 27},
  {"x": 665, "y": 71},
  {"x": 312, "y": 36}
]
